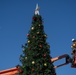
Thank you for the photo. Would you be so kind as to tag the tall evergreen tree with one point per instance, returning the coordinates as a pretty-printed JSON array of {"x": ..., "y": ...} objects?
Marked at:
[{"x": 36, "y": 58}]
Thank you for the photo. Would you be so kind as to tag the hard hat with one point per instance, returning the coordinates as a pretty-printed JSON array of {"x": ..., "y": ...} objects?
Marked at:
[{"x": 73, "y": 40}]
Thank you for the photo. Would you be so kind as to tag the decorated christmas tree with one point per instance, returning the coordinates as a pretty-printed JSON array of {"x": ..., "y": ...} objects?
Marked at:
[{"x": 36, "y": 59}]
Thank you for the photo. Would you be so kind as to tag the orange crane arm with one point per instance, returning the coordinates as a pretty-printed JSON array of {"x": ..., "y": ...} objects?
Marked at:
[
  {"x": 61, "y": 65},
  {"x": 58, "y": 58},
  {"x": 11, "y": 71}
]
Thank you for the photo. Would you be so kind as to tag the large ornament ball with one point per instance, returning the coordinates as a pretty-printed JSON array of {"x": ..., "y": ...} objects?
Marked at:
[
  {"x": 28, "y": 41},
  {"x": 26, "y": 58},
  {"x": 45, "y": 35},
  {"x": 34, "y": 18},
  {"x": 44, "y": 55},
  {"x": 28, "y": 34},
  {"x": 39, "y": 25},
  {"x": 32, "y": 28},
  {"x": 23, "y": 49},
  {"x": 45, "y": 64},
  {"x": 33, "y": 62},
  {"x": 33, "y": 69},
  {"x": 21, "y": 71},
  {"x": 71, "y": 46},
  {"x": 33, "y": 37},
  {"x": 40, "y": 46},
  {"x": 38, "y": 32}
]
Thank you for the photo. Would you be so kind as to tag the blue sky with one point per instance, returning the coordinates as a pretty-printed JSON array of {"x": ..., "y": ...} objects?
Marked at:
[{"x": 59, "y": 24}]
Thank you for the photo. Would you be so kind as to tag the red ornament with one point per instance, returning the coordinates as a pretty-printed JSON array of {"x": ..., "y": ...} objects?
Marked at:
[
  {"x": 44, "y": 55},
  {"x": 33, "y": 69},
  {"x": 28, "y": 34},
  {"x": 34, "y": 18},
  {"x": 21, "y": 71},
  {"x": 29, "y": 48},
  {"x": 40, "y": 46}
]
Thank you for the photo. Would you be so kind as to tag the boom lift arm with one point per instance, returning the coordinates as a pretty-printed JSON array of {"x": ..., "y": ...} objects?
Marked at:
[{"x": 67, "y": 58}]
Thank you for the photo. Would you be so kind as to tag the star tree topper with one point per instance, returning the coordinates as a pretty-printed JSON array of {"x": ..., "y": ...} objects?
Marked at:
[{"x": 37, "y": 10}]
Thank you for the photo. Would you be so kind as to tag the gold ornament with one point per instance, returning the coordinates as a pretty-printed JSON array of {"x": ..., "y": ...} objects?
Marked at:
[
  {"x": 39, "y": 25},
  {"x": 28, "y": 41},
  {"x": 32, "y": 28},
  {"x": 33, "y": 37},
  {"x": 33, "y": 62},
  {"x": 45, "y": 35},
  {"x": 45, "y": 64},
  {"x": 38, "y": 32},
  {"x": 25, "y": 57},
  {"x": 71, "y": 46}
]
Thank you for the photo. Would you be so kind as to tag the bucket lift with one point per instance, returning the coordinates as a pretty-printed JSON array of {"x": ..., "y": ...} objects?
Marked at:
[{"x": 68, "y": 59}]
